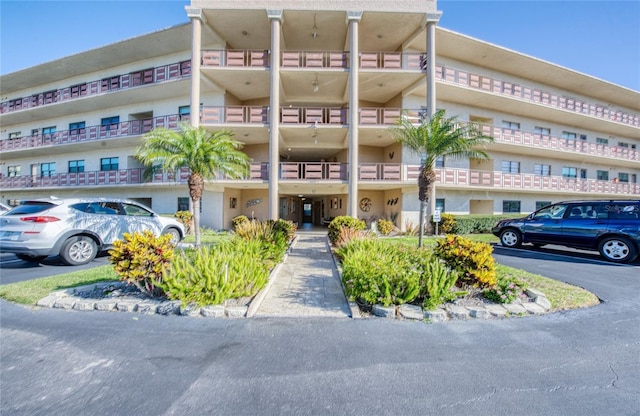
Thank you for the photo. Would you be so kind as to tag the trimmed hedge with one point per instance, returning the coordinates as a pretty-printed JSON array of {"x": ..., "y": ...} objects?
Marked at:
[{"x": 471, "y": 224}]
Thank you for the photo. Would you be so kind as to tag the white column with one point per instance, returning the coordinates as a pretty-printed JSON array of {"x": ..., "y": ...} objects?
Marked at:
[
  {"x": 274, "y": 112},
  {"x": 197, "y": 17},
  {"x": 431, "y": 22},
  {"x": 353, "y": 19}
]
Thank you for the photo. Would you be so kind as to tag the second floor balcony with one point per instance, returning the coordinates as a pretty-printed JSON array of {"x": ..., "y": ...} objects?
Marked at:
[{"x": 389, "y": 174}]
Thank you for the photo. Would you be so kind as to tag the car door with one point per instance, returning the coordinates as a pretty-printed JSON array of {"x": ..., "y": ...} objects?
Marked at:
[
  {"x": 137, "y": 219},
  {"x": 545, "y": 225},
  {"x": 583, "y": 224}
]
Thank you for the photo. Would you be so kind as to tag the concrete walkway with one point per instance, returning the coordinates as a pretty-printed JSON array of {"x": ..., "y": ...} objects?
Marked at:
[{"x": 307, "y": 283}]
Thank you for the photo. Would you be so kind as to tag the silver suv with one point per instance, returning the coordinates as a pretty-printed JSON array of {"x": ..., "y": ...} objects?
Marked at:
[{"x": 78, "y": 228}]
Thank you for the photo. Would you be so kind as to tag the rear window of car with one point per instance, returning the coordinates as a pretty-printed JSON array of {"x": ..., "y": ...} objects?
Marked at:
[
  {"x": 31, "y": 207},
  {"x": 623, "y": 211}
]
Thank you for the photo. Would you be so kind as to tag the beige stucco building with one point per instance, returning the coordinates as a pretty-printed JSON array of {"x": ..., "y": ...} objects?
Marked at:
[{"x": 311, "y": 88}]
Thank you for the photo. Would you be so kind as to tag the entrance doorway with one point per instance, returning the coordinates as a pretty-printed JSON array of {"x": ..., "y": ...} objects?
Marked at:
[{"x": 307, "y": 211}]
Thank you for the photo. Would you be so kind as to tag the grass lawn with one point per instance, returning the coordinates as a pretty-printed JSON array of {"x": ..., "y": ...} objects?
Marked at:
[{"x": 561, "y": 295}]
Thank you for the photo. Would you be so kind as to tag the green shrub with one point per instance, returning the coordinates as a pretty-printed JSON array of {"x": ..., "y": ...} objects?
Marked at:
[
  {"x": 274, "y": 241},
  {"x": 447, "y": 224},
  {"x": 343, "y": 222},
  {"x": 240, "y": 219},
  {"x": 473, "y": 261},
  {"x": 476, "y": 224},
  {"x": 286, "y": 228},
  {"x": 186, "y": 219},
  {"x": 385, "y": 226},
  {"x": 506, "y": 290},
  {"x": 143, "y": 260},
  {"x": 437, "y": 281},
  {"x": 211, "y": 275},
  {"x": 378, "y": 273}
]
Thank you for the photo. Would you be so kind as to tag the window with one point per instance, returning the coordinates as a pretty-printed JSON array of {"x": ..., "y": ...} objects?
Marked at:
[
  {"x": 542, "y": 204},
  {"x": 185, "y": 67},
  {"x": 35, "y": 132},
  {"x": 510, "y": 206},
  {"x": 569, "y": 135},
  {"x": 440, "y": 162},
  {"x": 184, "y": 111},
  {"x": 440, "y": 204},
  {"x": 49, "y": 130},
  {"x": 583, "y": 174},
  {"x": 77, "y": 127},
  {"x": 109, "y": 163},
  {"x": 623, "y": 144},
  {"x": 509, "y": 166},
  {"x": 110, "y": 123},
  {"x": 13, "y": 170},
  {"x": 542, "y": 170},
  {"x": 510, "y": 125},
  {"x": 48, "y": 169},
  {"x": 136, "y": 211},
  {"x": 569, "y": 172},
  {"x": 600, "y": 140},
  {"x": 183, "y": 204},
  {"x": 634, "y": 178},
  {"x": 623, "y": 177},
  {"x": 76, "y": 166},
  {"x": 15, "y": 134},
  {"x": 583, "y": 137},
  {"x": 542, "y": 130},
  {"x": 602, "y": 175},
  {"x": 142, "y": 77}
]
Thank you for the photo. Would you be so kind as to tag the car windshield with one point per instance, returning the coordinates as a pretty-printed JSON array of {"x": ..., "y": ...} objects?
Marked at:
[{"x": 31, "y": 207}]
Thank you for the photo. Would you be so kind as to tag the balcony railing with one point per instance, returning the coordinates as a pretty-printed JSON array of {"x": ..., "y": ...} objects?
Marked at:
[
  {"x": 522, "y": 92},
  {"x": 503, "y": 135},
  {"x": 393, "y": 60},
  {"x": 91, "y": 133},
  {"x": 398, "y": 174},
  {"x": 235, "y": 58},
  {"x": 149, "y": 76},
  {"x": 315, "y": 59},
  {"x": 313, "y": 115},
  {"x": 234, "y": 115},
  {"x": 313, "y": 171}
]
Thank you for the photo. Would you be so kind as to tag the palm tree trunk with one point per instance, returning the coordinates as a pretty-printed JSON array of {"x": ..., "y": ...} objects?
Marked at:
[{"x": 196, "y": 186}]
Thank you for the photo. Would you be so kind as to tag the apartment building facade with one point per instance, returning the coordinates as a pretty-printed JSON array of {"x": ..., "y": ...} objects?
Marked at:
[{"x": 312, "y": 89}]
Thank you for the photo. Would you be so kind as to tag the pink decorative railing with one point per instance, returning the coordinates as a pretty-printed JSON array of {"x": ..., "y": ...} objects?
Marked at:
[
  {"x": 393, "y": 60},
  {"x": 313, "y": 171},
  {"x": 468, "y": 79},
  {"x": 235, "y": 58},
  {"x": 502, "y": 135},
  {"x": 91, "y": 133},
  {"x": 234, "y": 115},
  {"x": 149, "y": 76},
  {"x": 314, "y": 59},
  {"x": 528, "y": 182},
  {"x": 313, "y": 115}
]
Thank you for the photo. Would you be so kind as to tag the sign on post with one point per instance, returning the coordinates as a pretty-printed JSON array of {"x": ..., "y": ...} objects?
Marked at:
[{"x": 436, "y": 219}]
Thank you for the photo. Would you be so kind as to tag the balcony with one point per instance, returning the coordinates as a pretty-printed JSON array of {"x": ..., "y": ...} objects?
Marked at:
[
  {"x": 391, "y": 174},
  {"x": 411, "y": 61},
  {"x": 227, "y": 58},
  {"x": 234, "y": 115},
  {"x": 540, "y": 141},
  {"x": 149, "y": 76},
  {"x": 91, "y": 133},
  {"x": 487, "y": 84},
  {"x": 313, "y": 115}
]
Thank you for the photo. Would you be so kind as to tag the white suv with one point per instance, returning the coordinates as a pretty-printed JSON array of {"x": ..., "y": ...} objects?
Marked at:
[{"x": 77, "y": 229}]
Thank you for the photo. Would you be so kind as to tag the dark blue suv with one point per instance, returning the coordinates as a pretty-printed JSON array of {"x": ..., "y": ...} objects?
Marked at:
[{"x": 610, "y": 226}]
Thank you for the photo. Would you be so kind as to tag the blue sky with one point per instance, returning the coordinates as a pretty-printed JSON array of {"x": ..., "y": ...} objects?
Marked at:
[{"x": 599, "y": 38}]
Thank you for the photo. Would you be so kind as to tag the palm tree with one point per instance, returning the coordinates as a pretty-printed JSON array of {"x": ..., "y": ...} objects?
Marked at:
[
  {"x": 434, "y": 138},
  {"x": 206, "y": 154}
]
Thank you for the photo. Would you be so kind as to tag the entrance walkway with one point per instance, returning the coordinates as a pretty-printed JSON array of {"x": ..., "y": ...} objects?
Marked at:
[{"x": 307, "y": 283}]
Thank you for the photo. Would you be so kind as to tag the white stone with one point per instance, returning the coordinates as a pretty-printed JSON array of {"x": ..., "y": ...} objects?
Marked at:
[
  {"x": 478, "y": 312},
  {"x": 515, "y": 309},
  {"x": 457, "y": 312},
  {"x": 437, "y": 315},
  {"x": 496, "y": 310},
  {"x": 127, "y": 305},
  {"x": 533, "y": 293},
  {"x": 105, "y": 305},
  {"x": 48, "y": 301},
  {"x": 410, "y": 311},
  {"x": 543, "y": 301},
  {"x": 85, "y": 305},
  {"x": 384, "y": 311},
  {"x": 236, "y": 311},
  {"x": 65, "y": 303},
  {"x": 212, "y": 311},
  {"x": 534, "y": 308}
]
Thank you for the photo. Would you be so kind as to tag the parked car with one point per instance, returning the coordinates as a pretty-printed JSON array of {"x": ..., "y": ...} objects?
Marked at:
[
  {"x": 77, "y": 229},
  {"x": 610, "y": 226},
  {"x": 3, "y": 208}
]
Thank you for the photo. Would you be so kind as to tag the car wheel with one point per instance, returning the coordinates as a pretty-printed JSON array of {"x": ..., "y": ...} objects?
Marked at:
[
  {"x": 78, "y": 250},
  {"x": 617, "y": 249},
  {"x": 30, "y": 258},
  {"x": 175, "y": 235},
  {"x": 511, "y": 238}
]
